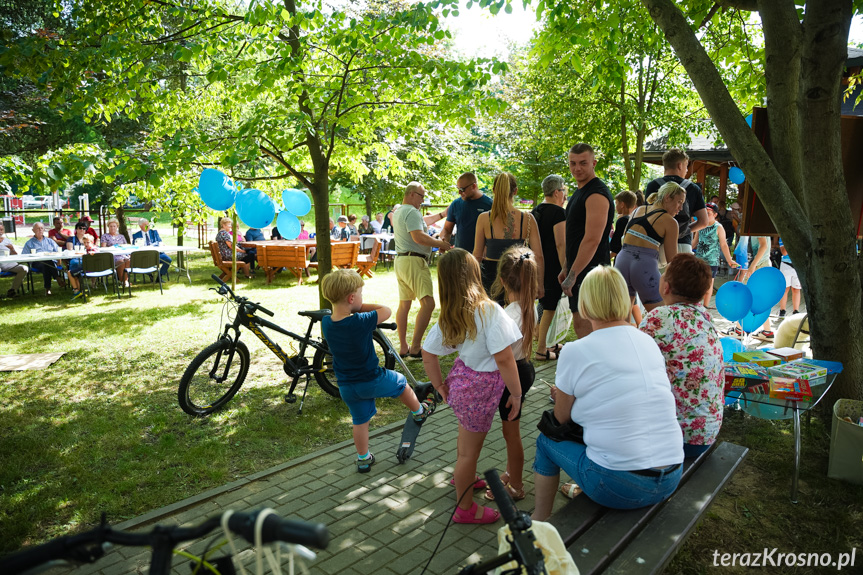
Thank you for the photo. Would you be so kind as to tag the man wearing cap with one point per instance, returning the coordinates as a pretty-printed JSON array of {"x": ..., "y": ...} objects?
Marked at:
[
  {"x": 464, "y": 211},
  {"x": 90, "y": 231},
  {"x": 339, "y": 231},
  {"x": 413, "y": 248}
]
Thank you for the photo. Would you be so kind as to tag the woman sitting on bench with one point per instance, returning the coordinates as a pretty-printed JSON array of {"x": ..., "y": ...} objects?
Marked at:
[
  {"x": 685, "y": 334},
  {"x": 633, "y": 447}
]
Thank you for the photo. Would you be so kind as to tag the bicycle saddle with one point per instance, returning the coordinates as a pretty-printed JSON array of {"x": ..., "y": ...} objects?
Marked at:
[{"x": 317, "y": 314}]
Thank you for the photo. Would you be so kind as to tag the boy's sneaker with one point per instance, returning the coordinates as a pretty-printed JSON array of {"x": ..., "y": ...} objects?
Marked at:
[
  {"x": 795, "y": 311},
  {"x": 421, "y": 417},
  {"x": 365, "y": 465},
  {"x": 78, "y": 294},
  {"x": 781, "y": 313}
]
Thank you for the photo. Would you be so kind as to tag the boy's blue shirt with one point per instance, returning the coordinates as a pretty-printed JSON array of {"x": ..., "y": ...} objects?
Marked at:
[{"x": 350, "y": 341}]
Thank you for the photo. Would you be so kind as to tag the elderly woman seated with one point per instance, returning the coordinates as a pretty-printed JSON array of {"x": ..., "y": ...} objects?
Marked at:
[
  {"x": 114, "y": 238},
  {"x": 225, "y": 241},
  {"x": 693, "y": 353},
  {"x": 613, "y": 384}
]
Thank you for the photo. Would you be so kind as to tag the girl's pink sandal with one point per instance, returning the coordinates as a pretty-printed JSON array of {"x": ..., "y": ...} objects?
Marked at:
[{"x": 469, "y": 516}]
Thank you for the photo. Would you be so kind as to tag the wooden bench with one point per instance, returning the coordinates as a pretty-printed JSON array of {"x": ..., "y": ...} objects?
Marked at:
[
  {"x": 366, "y": 261},
  {"x": 225, "y": 266},
  {"x": 274, "y": 258},
  {"x": 639, "y": 541}
]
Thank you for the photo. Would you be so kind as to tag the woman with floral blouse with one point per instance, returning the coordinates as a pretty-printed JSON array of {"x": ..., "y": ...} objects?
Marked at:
[
  {"x": 114, "y": 238},
  {"x": 690, "y": 344}
]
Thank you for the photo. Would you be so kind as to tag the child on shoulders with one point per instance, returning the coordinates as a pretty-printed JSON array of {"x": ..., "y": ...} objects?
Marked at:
[{"x": 348, "y": 332}]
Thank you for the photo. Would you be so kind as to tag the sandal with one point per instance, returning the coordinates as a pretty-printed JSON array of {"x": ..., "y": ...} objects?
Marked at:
[
  {"x": 548, "y": 355},
  {"x": 570, "y": 490},
  {"x": 767, "y": 334},
  {"x": 556, "y": 348},
  {"x": 365, "y": 465},
  {"x": 516, "y": 494},
  {"x": 489, "y": 515},
  {"x": 478, "y": 484}
]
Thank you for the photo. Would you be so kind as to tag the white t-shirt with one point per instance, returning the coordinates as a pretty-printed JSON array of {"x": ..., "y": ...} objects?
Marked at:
[
  {"x": 6, "y": 244},
  {"x": 408, "y": 219},
  {"x": 513, "y": 310},
  {"x": 622, "y": 398},
  {"x": 495, "y": 331}
]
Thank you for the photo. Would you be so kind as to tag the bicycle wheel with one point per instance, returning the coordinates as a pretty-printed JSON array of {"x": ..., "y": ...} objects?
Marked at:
[
  {"x": 206, "y": 385},
  {"x": 323, "y": 365}
]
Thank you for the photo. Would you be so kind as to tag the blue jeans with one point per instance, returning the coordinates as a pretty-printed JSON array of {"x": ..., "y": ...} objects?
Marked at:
[
  {"x": 615, "y": 489},
  {"x": 166, "y": 264},
  {"x": 690, "y": 450}
]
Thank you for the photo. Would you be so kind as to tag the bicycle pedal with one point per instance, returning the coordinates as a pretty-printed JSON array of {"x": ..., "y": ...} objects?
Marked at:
[{"x": 291, "y": 398}]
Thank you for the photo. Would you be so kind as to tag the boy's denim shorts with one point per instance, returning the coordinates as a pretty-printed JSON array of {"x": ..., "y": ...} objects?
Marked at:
[{"x": 360, "y": 397}]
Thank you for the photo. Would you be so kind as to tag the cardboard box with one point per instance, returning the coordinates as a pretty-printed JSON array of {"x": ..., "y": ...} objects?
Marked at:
[
  {"x": 790, "y": 389},
  {"x": 786, "y": 354},
  {"x": 744, "y": 376},
  {"x": 759, "y": 357},
  {"x": 801, "y": 370}
]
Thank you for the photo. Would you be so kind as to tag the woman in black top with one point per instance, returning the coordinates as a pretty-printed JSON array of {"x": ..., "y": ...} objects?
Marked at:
[{"x": 551, "y": 222}]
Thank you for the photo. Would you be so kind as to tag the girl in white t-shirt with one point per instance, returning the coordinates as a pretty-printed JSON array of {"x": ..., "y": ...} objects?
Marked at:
[
  {"x": 517, "y": 280},
  {"x": 482, "y": 334}
]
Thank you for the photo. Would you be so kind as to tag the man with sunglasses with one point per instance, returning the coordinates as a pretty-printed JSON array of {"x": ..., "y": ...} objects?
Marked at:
[
  {"x": 464, "y": 211},
  {"x": 413, "y": 248}
]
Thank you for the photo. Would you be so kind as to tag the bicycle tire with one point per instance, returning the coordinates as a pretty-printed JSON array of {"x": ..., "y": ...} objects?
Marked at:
[
  {"x": 323, "y": 365},
  {"x": 197, "y": 388}
]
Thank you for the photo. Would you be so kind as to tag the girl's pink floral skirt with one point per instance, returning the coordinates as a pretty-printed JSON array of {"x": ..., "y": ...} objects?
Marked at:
[{"x": 474, "y": 396}]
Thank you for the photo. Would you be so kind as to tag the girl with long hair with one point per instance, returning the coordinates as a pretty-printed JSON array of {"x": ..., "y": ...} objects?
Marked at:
[
  {"x": 482, "y": 334},
  {"x": 517, "y": 279}
]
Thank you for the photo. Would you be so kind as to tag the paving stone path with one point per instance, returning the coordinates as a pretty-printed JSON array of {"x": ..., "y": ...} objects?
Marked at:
[{"x": 387, "y": 522}]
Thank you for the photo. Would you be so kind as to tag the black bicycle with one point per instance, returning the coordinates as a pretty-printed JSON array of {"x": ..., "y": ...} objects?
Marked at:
[
  {"x": 216, "y": 374},
  {"x": 259, "y": 528}
]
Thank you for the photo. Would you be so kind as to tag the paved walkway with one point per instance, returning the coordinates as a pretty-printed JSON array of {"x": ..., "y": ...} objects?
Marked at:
[{"x": 386, "y": 522}]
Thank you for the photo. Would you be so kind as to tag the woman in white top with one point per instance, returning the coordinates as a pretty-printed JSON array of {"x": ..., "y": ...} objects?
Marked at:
[{"x": 613, "y": 383}]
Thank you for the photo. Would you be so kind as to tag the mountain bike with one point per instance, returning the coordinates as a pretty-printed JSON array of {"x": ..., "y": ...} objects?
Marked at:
[
  {"x": 216, "y": 374},
  {"x": 260, "y": 528}
]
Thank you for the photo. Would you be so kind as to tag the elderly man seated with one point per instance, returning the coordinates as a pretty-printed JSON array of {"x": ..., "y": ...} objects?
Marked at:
[
  {"x": 11, "y": 267},
  {"x": 42, "y": 243},
  {"x": 151, "y": 238}
]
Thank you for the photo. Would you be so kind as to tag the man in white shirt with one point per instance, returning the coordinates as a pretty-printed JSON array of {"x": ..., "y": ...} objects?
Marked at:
[
  {"x": 378, "y": 223},
  {"x": 19, "y": 270},
  {"x": 413, "y": 248}
]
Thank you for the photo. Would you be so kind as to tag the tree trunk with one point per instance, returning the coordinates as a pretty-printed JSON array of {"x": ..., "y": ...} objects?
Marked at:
[{"x": 804, "y": 191}]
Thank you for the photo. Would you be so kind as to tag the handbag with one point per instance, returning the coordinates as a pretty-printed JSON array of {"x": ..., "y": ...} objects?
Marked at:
[{"x": 550, "y": 427}]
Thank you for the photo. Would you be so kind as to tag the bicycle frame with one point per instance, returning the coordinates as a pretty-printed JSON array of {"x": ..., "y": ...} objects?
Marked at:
[{"x": 295, "y": 369}]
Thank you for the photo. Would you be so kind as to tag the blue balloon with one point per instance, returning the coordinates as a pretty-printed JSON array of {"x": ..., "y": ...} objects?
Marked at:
[
  {"x": 736, "y": 175},
  {"x": 754, "y": 321},
  {"x": 741, "y": 252},
  {"x": 255, "y": 208},
  {"x": 767, "y": 286},
  {"x": 216, "y": 190},
  {"x": 730, "y": 345},
  {"x": 296, "y": 202},
  {"x": 749, "y": 120},
  {"x": 733, "y": 300},
  {"x": 288, "y": 224}
]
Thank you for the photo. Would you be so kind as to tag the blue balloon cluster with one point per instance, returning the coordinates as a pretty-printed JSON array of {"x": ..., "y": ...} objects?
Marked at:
[
  {"x": 297, "y": 204},
  {"x": 750, "y": 304},
  {"x": 255, "y": 208}
]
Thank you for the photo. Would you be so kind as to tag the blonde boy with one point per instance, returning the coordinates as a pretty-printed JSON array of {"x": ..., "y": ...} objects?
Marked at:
[{"x": 361, "y": 379}]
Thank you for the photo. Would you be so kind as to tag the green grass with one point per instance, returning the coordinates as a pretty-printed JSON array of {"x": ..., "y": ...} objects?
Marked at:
[{"x": 101, "y": 430}]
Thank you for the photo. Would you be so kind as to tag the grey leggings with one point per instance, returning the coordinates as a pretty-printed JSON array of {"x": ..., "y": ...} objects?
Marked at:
[{"x": 640, "y": 269}]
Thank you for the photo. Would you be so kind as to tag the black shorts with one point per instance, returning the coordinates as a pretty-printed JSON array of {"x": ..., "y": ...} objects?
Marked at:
[
  {"x": 526, "y": 375},
  {"x": 573, "y": 299},
  {"x": 553, "y": 291}
]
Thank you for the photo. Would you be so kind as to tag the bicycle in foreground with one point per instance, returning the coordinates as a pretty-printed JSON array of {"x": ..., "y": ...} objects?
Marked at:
[
  {"x": 216, "y": 374},
  {"x": 261, "y": 528}
]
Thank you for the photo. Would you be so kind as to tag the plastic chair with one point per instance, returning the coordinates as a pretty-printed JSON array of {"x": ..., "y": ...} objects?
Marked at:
[
  {"x": 99, "y": 265},
  {"x": 145, "y": 262}
]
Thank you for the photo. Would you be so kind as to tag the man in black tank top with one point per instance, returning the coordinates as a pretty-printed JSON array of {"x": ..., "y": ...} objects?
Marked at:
[{"x": 589, "y": 215}]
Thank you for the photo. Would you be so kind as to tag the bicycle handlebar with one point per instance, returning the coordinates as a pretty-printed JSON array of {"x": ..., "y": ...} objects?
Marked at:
[
  {"x": 242, "y": 300},
  {"x": 87, "y": 547}
]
